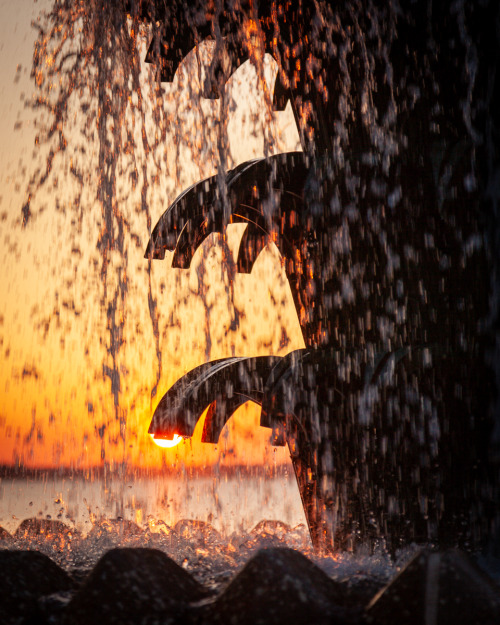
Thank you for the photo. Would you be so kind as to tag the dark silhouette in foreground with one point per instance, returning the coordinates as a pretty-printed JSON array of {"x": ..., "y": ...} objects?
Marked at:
[
  {"x": 385, "y": 222},
  {"x": 276, "y": 585}
]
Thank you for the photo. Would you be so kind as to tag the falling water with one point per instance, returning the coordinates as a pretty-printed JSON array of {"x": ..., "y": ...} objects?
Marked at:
[
  {"x": 393, "y": 250},
  {"x": 114, "y": 146}
]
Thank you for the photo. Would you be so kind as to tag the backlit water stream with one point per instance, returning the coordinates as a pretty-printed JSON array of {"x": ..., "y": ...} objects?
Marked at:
[{"x": 118, "y": 139}]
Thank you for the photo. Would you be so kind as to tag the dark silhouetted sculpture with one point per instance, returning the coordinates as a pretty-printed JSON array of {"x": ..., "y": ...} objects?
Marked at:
[{"x": 385, "y": 223}]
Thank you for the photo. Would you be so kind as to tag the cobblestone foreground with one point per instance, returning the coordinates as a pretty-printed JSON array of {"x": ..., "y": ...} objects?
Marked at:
[{"x": 142, "y": 585}]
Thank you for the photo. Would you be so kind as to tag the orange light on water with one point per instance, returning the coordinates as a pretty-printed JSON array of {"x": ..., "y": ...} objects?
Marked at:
[{"x": 167, "y": 442}]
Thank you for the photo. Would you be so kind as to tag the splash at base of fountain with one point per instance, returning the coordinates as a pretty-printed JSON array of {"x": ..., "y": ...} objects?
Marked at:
[
  {"x": 81, "y": 503},
  {"x": 190, "y": 574}
]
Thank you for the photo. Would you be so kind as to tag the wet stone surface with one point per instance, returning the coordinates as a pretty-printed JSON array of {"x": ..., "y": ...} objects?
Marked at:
[
  {"x": 280, "y": 585},
  {"x": 190, "y": 574},
  {"x": 5, "y": 537},
  {"x": 26, "y": 577},
  {"x": 131, "y": 586},
  {"x": 32, "y": 529},
  {"x": 438, "y": 588}
]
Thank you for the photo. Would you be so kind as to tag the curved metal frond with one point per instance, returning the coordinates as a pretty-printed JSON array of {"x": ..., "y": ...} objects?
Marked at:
[
  {"x": 195, "y": 231},
  {"x": 252, "y": 243},
  {"x": 265, "y": 193},
  {"x": 179, "y": 27},
  {"x": 222, "y": 384}
]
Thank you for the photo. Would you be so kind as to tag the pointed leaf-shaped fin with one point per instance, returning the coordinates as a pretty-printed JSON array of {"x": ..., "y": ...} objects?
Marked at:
[{"x": 229, "y": 383}]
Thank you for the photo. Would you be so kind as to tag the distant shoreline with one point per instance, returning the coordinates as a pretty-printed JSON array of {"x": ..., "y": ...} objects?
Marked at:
[{"x": 119, "y": 471}]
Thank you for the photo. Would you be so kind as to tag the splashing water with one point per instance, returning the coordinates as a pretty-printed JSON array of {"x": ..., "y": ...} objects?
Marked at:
[{"x": 213, "y": 557}]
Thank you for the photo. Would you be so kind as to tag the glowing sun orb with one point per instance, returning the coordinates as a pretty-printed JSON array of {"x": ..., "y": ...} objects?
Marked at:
[{"x": 167, "y": 442}]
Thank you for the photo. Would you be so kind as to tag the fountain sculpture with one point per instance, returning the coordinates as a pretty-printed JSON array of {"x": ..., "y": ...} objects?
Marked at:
[
  {"x": 384, "y": 224},
  {"x": 387, "y": 226}
]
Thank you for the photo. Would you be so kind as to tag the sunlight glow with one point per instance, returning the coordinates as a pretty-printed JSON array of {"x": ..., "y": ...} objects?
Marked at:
[{"x": 167, "y": 442}]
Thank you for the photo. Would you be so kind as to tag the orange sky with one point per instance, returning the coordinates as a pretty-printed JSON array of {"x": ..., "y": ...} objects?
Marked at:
[{"x": 53, "y": 396}]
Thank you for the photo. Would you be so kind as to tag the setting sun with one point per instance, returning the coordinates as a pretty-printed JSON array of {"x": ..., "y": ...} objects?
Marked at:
[
  {"x": 167, "y": 442},
  {"x": 63, "y": 378}
]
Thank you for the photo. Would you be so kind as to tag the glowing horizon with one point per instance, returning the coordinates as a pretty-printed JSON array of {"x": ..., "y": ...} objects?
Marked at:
[{"x": 57, "y": 405}]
